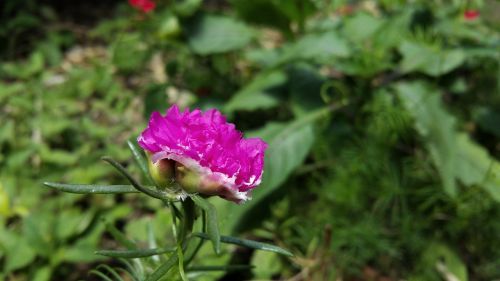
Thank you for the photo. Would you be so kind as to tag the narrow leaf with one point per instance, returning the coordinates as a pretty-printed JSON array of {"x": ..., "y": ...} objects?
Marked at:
[
  {"x": 139, "y": 253},
  {"x": 141, "y": 160},
  {"x": 163, "y": 269},
  {"x": 136, "y": 271},
  {"x": 91, "y": 188},
  {"x": 151, "y": 192},
  {"x": 181, "y": 261},
  {"x": 100, "y": 274},
  {"x": 249, "y": 244},
  {"x": 220, "y": 267},
  {"x": 152, "y": 241},
  {"x": 212, "y": 222},
  {"x": 111, "y": 271},
  {"x": 120, "y": 237}
]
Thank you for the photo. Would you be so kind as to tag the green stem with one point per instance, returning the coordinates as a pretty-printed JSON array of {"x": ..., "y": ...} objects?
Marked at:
[
  {"x": 187, "y": 221},
  {"x": 191, "y": 257}
]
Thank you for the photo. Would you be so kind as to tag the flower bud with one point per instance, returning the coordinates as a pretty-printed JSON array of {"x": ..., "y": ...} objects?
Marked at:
[
  {"x": 194, "y": 182},
  {"x": 162, "y": 171},
  {"x": 211, "y": 156}
]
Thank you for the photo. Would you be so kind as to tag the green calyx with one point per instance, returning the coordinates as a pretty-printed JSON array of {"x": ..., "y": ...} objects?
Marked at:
[
  {"x": 189, "y": 180},
  {"x": 162, "y": 171}
]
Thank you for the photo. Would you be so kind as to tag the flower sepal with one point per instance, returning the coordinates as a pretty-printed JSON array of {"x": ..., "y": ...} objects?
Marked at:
[
  {"x": 162, "y": 171},
  {"x": 193, "y": 182}
]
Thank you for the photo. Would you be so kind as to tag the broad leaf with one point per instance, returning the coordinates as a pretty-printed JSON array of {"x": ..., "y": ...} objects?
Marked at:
[
  {"x": 361, "y": 26},
  {"x": 445, "y": 261},
  {"x": 488, "y": 119},
  {"x": 317, "y": 47},
  {"x": 454, "y": 154},
  {"x": 210, "y": 34},
  {"x": 255, "y": 95},
  {"x": 435, "y": 125},
  {"x": 429, "y": 59},
  {"x": 289, "y": 145},
  {"x": 18, "y": 250},
  {"x": 476, "y": 167}
]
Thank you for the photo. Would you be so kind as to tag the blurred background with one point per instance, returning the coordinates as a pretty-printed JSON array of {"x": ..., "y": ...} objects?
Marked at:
[{"x": 383, "y": 120}]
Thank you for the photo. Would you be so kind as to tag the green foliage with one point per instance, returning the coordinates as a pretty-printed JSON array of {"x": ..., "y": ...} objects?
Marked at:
[
  {"x": 211, "y": 34},
  {"x": 381, "y": 119}
]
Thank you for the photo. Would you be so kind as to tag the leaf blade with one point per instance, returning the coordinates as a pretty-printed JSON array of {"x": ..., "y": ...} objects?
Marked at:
[
  {"x": 163, "y": 269},
  {"x": 138, "y": 253},
  {"x": 211, "y": 222},
  {"x": 91, "y": 188},
  {"x": 249, "y": 244},
  {"x": 140, "y": 160}
]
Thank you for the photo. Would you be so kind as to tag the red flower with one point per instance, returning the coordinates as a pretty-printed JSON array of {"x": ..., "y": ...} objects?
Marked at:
[
  {"x": 471, "y": 14},
  {"x": 144, "y": 5}
]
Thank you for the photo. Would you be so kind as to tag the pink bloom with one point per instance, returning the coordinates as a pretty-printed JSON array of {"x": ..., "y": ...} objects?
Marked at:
[
  {"x": 203, "y": 142},
  {"x": 471, "y": 14},
  {"x": 144, "y": 5}
]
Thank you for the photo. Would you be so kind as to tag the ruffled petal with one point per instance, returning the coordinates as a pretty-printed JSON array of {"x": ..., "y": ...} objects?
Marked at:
[{"x": 208, "y": 144}]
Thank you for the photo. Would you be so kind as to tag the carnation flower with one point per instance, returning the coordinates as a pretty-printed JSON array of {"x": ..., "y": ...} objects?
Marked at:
[
  {"x": 211, "y": 157},
  {"x": 144, "y": 5}
]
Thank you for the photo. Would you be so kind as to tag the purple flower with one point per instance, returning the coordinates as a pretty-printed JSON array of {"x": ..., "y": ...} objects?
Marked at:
[{"x": 204, "y": 144}]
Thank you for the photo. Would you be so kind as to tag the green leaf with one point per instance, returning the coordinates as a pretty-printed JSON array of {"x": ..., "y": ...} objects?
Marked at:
[
  {"x": 43, "y": 274},
  {"x": 100, "y": 274},
  {"x": 455, "y": 156},
  {"x": 435, "y": 125},
  {"x": 220, "y": 267},
  {"x": 317, "y": 47},
  {"x": 361, "y": 27},
  {"x": 92, "y": 188},
  {"x": 32, "y": 66},
  {"x": 187, "y": 8},
  {"x": 295, "y": 10},
  {"x": 163, "y": 269},
  {"x": 440, "y": 257},
  {"x": 140, "y": 159},
  {"x": 139, "y": 253},
  {"x": 254, "y": 95},
  {"x": 305, "y": 89},
  {"x": 212, "y": 222},
  {"x": 476, "y": 167},
  {"x": 263, "y": 12},
  {"x": 289, "y": 145},
  {"x": 5, "y": 207},
  {"x": 111, "y": 271},
  {"x": 267, "y": 264},
  {"x": 162, "y": 195},
  {"x": 488, "y": 119},
  {"x": 431, "y": 60},
  {"x": 120, "y": 237},
  {"x": 68, "y": 223},
  {"x": 249, "y": 244},
  {"x": 129, "y": 52},
  {"x": 18, "y": 250},
  {"x": 58, "y": 156},
  {"x": 210, "y": 34}
]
